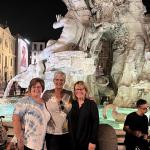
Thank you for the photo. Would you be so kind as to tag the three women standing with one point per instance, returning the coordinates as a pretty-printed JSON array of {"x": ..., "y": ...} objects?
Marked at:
[{"x": 32, "y": 120}]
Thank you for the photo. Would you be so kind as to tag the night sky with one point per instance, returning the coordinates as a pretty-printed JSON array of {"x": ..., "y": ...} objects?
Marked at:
[{"x": 33, "y": 19}]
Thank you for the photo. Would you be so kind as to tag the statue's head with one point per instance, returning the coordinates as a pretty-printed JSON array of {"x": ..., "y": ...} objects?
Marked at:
[{"x": 78, "y": 9}]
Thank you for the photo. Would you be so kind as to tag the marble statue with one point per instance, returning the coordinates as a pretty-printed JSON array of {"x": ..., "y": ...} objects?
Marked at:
[
  {"x": 137, "y": 42},
  {"x": 98, "y": 87},
  {"x": 134, "y": 63},
  {"x": 120, "y": 117},
  {"x": 23, "y": 78},
  {"x": 86, "y": 25},
  {"x": 79, "y": 11},
  {"x": 77, "y": 24},
  {"x": 67, "y": 39}
]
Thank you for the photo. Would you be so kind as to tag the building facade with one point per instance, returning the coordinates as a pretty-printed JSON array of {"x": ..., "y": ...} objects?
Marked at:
[
  {"x": 36, "y": 48},
  {"x": 7, "y": 56}
]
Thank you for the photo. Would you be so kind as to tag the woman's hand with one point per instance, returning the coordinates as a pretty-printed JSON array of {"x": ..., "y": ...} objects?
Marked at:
[
  {"x": 18, "y": 131},
  {"x": 145, "y": 136},
  {"x": 68, "y": 106},
  {"x": 91, "y": 146},
  {"x": 137, "y": 133}
]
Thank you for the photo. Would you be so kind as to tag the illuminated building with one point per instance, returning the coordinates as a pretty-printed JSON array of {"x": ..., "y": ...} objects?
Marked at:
[
  {"x": 7, "y": 56},
  {"x": 37, "y": 47}
]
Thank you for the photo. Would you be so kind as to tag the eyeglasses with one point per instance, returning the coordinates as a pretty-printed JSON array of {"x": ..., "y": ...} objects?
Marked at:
[{"x": 146, "y": 108}]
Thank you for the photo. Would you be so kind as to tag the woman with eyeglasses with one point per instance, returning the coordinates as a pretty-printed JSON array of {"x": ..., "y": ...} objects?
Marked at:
[
  {"x": 30, "y": 118},
  {"x": 58, "y": 102},
  {"x": 136, "y": 127},
  {"x": 83, "y": 119}
]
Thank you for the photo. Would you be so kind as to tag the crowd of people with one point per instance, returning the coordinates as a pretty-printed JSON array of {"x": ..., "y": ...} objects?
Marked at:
[{"x": 59, "y": 119}]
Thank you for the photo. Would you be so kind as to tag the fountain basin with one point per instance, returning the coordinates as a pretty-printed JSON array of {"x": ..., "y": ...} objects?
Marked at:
[{"x": 6, "y": 109}]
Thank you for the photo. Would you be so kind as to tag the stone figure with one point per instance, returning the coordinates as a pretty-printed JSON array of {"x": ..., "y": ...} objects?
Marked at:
[
  {"x": 145, "y": 75},
  {"x": 40, "y": 69},
  {"x": 75, "y": 20},
  {"x": 126, "y": 96},
  {"x": 85, "y": 26},
  {"x": 84, "y": 35},
  {"x": 137, "y": 41},
  {"x": 104, "y": 10},
  {"x": 78, "y": 10},
  {"x": 67, "y": 39},
  {"x": 89, "y": 23},
  {"x": 99, "y": 87},
  {"x": 134, "y": 60},
  {"x": 120, "y": 117},
  {"x": 24, "y": 78}
]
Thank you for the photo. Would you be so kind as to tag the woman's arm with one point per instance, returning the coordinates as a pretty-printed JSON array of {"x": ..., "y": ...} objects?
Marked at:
[
  {"x": 17, "y": 126},
  {"x": 18, "y": 131},
  {"x": 19, "y": 111},
  {"x": 95, "y": 122}
]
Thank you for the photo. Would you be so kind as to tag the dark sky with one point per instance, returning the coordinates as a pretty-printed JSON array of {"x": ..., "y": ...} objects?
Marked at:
[
  {"x": 147, "y": 5},
  {"x": 32, "y": 20}
]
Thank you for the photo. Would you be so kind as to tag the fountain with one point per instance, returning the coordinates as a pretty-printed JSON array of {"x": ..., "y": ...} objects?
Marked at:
[{"x": 86, "y": 27}]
